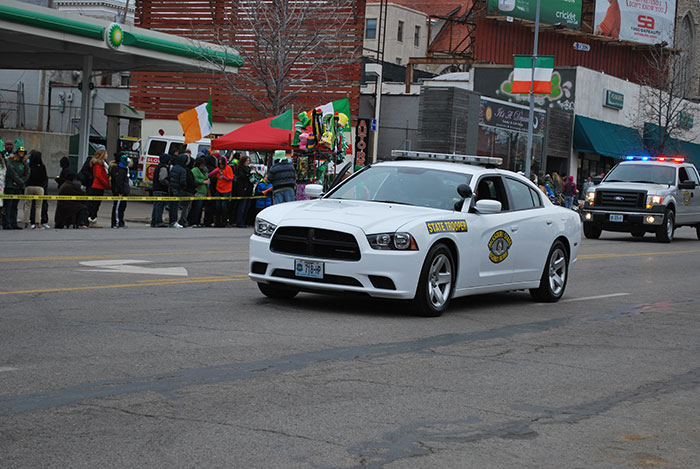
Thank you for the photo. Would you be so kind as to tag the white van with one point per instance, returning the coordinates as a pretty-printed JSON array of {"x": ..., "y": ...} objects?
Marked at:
[{"x": 159, "y": 144}]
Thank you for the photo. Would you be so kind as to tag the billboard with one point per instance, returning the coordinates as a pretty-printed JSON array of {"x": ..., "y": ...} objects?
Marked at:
[
  {"x": 565, "y": 12},
  {"x": 647, "y": 21}
]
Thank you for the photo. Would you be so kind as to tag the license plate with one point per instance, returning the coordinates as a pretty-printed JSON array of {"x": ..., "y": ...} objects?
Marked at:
[
  {"x": 308, "y": 269},
  {"x": 617, "y": 218}
]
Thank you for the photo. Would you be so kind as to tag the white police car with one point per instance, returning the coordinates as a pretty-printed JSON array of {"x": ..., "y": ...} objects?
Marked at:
[{"x": 424, "y": 230}]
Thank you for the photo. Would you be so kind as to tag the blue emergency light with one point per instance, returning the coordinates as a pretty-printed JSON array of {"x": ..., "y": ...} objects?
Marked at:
[{"x": 675, "y": 159}]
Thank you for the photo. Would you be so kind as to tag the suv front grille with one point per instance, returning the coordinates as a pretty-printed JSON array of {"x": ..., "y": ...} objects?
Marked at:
[
  {"x": 621, "y": 199},
  {"x": 316, "y": 243}
]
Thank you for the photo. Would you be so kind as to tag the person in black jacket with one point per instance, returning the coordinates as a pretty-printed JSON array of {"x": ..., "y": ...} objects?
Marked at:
[
  {"x": 71, "y": 212},
  {"x": 161, "y": 187},
  {"x": 178, "y": 188},
  {"x": 283, "y": 178},
  {"x": 242, "y": 188},
  {"x": 119, "y": 175},
  {"x": 37, "y": 184}
]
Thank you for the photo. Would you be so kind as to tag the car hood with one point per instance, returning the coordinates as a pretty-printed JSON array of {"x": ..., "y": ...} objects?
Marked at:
[
  {"x": 371, "y": 217},
  {"x": 630, "y": 186}
]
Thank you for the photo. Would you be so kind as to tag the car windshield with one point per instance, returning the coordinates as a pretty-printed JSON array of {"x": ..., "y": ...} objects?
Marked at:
[
  {"x": 642, "y": 173},
  {"x": 422, "y": 187}
]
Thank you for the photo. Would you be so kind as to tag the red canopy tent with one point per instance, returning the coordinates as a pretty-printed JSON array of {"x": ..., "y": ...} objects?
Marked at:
[{"x": 258, "y": 135}]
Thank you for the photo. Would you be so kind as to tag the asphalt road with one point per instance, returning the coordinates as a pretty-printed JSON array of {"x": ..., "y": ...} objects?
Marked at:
[{"x": 176, "y": 360}]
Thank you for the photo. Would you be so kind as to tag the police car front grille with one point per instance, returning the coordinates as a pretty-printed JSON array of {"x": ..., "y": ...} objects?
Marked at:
[
  {"x": 621, "y": 199},
  {"x": 316, "y": 243}
]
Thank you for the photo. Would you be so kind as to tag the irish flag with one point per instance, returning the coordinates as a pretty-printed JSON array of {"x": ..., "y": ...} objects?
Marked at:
[
  {"x": 340, "y": 106},
  {"x": 196, "y": 123},
  {"x": 522, "y": 74}
]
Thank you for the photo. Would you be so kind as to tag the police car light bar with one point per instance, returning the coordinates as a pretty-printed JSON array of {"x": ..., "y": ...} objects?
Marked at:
[
  {"x": 675, "y": 159},
  {"x": 467, "y": 159}
]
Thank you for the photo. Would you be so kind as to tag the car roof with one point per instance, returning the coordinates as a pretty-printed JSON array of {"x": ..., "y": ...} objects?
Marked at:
[{"x": 474, "y": 170}]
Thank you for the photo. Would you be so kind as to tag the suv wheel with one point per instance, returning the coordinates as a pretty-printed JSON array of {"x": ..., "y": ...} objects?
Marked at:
[
  {"x": 591, "y": 231},
  {"x": 664, "y": 233}
]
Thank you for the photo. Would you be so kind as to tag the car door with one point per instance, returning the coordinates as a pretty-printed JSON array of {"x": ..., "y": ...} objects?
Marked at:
[
  {"x": 489, "y": 261},
  {"x": 688, "y": 199},
  {"x": 532, "y": 230}
]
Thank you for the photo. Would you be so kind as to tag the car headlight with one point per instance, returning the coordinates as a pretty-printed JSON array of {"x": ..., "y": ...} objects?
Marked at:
[
  {"x": 264, "y": 228},
  {"x": 654, "y": 200},
  {"x": 395, "y": 241},
  {"x": 590, "y": 198}
]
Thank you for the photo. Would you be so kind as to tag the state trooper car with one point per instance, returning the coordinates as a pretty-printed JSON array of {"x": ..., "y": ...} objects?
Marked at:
[
  {"x": 419, "y": 229},
  {"x": 644, "y": 194}
]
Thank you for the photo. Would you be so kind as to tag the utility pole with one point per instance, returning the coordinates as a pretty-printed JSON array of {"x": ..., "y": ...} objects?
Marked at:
[{"x": 531, "y": 117}]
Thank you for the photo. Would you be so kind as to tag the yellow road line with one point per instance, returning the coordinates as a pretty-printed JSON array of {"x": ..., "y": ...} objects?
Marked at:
[
  {"x": 636, "y": 254},
  {"x": 112, "y": 256},
  {"x": 125, "y": 285},
  {"x": 175, "y": 279}
]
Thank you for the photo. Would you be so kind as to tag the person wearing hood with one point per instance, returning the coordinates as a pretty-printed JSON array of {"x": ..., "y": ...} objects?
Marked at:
[
  {"x": 37, "y": 184},
  {"x": 179, "y": 188},
  {"x": 119, "y": 174},
  {"x": 16, "y": 176},
  {"x": 161, "y": 188},
  {"x": 224, "y": 185},
  {"x": 283, "y": 178},
  {"x": 569, "y": 192},
  {"x": 65, "y": 167},
  {"x": 70, "y": 212}
]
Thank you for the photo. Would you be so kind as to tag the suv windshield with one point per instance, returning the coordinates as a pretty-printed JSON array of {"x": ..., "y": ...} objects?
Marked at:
[
  {"x": 404, "y": 185},
  {"x": 642, "y": 173}
]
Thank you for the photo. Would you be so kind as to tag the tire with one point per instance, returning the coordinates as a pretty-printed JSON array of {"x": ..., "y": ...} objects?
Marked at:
[
  {"x": 436, "y": 282},
  {"x": 638, "y": 233},
  {"x": 697, "y": 230},
  {"x": 664, "y": 233},
  {"x": 591, "y": 231},
  {"x": 277, "y": 292},
  {"x": 554, "y": 276}
]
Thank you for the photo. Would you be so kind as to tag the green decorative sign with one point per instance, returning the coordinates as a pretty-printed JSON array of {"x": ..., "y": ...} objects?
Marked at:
[
  {"x": 564, "y": 12},
  {"x": 614, "y": 100},
  {"x": 114, "y": 36}
]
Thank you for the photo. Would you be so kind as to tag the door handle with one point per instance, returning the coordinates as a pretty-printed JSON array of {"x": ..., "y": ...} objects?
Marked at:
[
  {"x": 514, "y": 228},
  {"x": 549, "y": 222}
]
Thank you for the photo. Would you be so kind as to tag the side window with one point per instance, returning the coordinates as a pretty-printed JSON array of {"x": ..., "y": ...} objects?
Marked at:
[
  {"x": 687, "y": 174},
  {"x": 693, "y": 175},
  {"x": 491, "y": 187},
  {"x": 521, "y": 195},
  {"x": 682, "y": 175},
  {"x": 156, "y": 147},
  {"x": 536, "y": 197}
]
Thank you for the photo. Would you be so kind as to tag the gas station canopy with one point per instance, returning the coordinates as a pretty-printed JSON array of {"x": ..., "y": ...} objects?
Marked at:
[{"x": 34, "y": 37}]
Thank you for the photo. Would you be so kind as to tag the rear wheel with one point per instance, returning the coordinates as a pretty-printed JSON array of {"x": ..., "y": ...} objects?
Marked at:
[
  {"x": 591, "y": 231},
  {"x": 435, "y": 283},
  {"x": 664, "y": 233},
  {"x": 554, "y": 276},
  {"x": 697, "y": 230},
  {"x": 277, "y": 291}
]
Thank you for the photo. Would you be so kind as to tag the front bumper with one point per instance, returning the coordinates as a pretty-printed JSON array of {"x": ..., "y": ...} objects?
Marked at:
[
  {"x": 368, "y": 275},
  {"x": 640, "y": 219}
]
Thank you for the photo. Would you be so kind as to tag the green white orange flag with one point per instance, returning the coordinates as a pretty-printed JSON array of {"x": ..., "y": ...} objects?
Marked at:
[
  {"x": 340, "y": 106},
  {"x": 196, "y": 123},
  {"x": 522, "y": 74}
]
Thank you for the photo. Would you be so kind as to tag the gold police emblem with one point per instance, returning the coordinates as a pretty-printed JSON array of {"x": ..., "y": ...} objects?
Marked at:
[{"x": 499, "y": 244}]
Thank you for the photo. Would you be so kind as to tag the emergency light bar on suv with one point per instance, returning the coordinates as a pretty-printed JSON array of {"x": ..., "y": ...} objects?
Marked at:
[
  {"x": 467, "y": 159},
  {"x": 669, "y": 159}
]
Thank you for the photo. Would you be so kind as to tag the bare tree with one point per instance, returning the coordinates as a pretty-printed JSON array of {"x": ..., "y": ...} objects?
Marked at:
[
  {"x": 663, "y": 99},
  {"x": 289, "y": 47}
]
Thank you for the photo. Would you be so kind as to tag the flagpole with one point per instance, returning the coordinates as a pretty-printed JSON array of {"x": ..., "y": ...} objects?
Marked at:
[{"x": 531, "y": 117}]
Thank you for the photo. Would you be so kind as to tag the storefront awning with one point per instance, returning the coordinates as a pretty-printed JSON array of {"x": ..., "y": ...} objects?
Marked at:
[
  {"x": 691, "y": 151},
  {"x": 604, "y": 138}
]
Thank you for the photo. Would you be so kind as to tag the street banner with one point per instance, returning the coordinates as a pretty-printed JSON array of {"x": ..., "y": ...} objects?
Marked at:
[
  {"x": 646, "y": 21},
  {"x": 564, "y": 12},
  {"x": 522, "y": 74}
]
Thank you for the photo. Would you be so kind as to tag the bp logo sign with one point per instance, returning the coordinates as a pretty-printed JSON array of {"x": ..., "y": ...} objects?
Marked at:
[
  {"x": 114, "y": 35},
  {"x": 499, "y": 244}
]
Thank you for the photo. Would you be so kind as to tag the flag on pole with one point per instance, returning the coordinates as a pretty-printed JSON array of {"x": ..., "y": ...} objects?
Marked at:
[
  {"x": 283, "y": 121},
  {"x": 340, "y": 106},
  {"x": 196, "y": 123},
  {"x": 522, "y": 74}
]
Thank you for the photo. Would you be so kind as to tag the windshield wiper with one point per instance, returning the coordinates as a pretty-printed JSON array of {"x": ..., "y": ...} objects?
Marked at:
[
  {"x": 391, "y": 202},
  {"x": 647, "y": 182}
]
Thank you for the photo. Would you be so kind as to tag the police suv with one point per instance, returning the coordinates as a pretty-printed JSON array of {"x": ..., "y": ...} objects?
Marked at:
[{"x": 644, "y": 195}]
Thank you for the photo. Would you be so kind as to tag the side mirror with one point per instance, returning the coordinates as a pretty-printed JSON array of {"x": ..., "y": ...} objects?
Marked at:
[
  {"x": 597, "y": 180},
  {"x": 464, "y": 191},
  {"x": 314, "y": 191},
  {"x": 488, "y": 206},
  {"x": 687, "y": 185}
]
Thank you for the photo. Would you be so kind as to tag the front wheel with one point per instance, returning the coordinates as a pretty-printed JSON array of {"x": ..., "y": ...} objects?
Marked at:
[
  {"x": 697, "y": 230},
  {"x": 591, "y": 231},
  {"x": 664, "y": 233},
  {"x": 554, "y": 276},
  {"x": 435, "y": 283},
  {"x": 277, "y": 292}
]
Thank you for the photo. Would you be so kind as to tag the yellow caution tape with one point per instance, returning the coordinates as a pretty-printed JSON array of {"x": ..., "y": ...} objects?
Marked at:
[{"x": 119, "y": 197}]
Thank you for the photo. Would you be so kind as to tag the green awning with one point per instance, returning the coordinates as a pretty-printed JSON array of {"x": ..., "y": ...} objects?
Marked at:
[
  {"x": 604, "y": 138},
  {"x": 691, "y": 151}
]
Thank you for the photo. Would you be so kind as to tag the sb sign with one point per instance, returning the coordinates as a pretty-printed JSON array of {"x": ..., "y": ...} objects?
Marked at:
[{"x": 644, "y": 21}]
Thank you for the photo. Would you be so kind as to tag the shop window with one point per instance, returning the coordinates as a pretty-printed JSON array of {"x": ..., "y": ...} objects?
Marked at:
[
  {"x": 399, "y": 32},
  {"x": 371, "y": 28},
  {"x": 398, "y": 60},
  {"x": 416, "y": 37}
]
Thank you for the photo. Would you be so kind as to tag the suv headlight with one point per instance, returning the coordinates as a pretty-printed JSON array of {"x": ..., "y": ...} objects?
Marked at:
[
  {"x": 654, "y": 200},
  {"x": 396, "y": 241},
  {"x": 590, "y": 198},
  {"x": 264, "y": 228}
]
